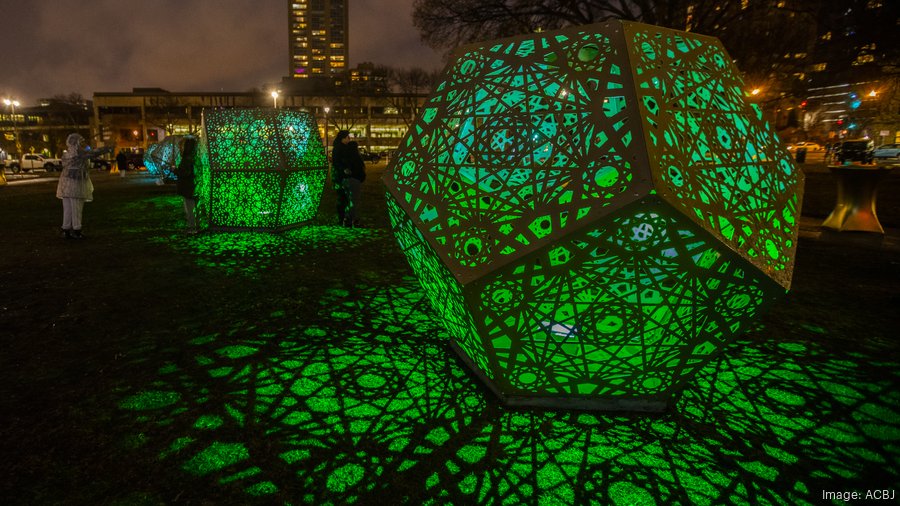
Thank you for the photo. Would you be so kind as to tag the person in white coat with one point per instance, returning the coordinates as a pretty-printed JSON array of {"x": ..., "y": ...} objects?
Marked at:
[{"x": 75, "y": 186}]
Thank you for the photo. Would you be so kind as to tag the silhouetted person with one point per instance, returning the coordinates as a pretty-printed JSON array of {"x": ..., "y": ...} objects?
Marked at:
[
  {"x": 340, "y": 163},
  {"x": 353, "y": 184},
  {"x": 122, "y": 161},
  {"x": 185, "y": 184}
]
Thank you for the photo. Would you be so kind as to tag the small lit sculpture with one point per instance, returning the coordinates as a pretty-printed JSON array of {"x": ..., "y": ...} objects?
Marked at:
[
  {"x": 162, "y": 158},
  {"x": 593, "y": 212},
  {"x": 259, "y": 169}
]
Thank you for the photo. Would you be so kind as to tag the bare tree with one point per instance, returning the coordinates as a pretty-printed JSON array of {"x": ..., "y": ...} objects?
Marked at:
[
  {"x": 346, "y": 112},
  {"x": 407, "y": 86},
  {"x": 164, "y": 111},
  {"x": 448, "y": 23}
]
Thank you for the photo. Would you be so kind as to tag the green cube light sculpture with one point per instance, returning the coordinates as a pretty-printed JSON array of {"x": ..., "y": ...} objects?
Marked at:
[
  {"x": 594, "y": 212},
  {"x": 259, "y": 169}
]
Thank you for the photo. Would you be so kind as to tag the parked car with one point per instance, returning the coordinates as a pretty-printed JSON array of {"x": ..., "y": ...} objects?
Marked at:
[
  {"x": 134, "y": 158},
  {"x": 855, "y": 150},
  {"x": 368, "y": 156},
  {"x": 35, "y": 161},
  {"x": 102, "y": 163},
  {"x": 809, "y": 146},
  {"x": 8, "y": 163},
  {"x": 887, "y": 151}
]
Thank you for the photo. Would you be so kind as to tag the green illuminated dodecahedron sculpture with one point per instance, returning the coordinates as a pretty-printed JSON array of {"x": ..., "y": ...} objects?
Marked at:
[
  {"x": 594, "y": 211},
  {"x": 259, "y": 169}
]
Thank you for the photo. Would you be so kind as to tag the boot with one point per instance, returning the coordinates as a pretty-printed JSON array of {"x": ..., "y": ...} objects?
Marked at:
[
  {"x": 76, "y": 234},
  {"x": 65, "y": 233}
]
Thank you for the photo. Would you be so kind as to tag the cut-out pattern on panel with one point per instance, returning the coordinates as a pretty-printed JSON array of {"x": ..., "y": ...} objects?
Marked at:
[
  {"x": 595, "y": 211},
  {"x": 711, "y": 152},
  {"x": 630, "y": 309},
  {"x": 523, "y": 141},
  {"x": 260, "y": 168},
  {"x": 162, "y": 158}
]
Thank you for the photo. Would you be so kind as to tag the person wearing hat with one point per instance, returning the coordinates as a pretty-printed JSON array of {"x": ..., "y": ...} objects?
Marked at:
[{"x": 75, "y": 186}]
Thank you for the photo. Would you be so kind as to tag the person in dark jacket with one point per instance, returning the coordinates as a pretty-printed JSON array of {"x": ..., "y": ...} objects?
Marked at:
[
  {"x": 340, "y": 165},
  {"x": 353, "y": 183},
  {"x": 122, "y": 161},
  {"x": 185, "y": 183}
]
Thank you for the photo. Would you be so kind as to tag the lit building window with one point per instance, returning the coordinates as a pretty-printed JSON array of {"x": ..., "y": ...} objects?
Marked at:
[{"x": 818, "y": 67}]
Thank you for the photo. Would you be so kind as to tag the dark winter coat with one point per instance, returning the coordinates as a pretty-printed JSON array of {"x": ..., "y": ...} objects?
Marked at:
[
  {"x": 185, "y": 183},
  {"x": 347, "y": 162},
  {"x": 355, "y": 162}
]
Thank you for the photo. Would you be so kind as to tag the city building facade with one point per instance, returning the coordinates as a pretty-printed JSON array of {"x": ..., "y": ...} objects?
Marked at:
[
  {"x": 319, "y": 39},
  {"x": 135, "y": 120}
]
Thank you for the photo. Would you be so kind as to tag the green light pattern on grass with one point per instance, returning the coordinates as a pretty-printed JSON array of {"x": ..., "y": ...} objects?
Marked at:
[
  {"x": 411, "y": 425},
  {"x": 594, "y": 212},
  {"x": 209, "y": 422},
  {"x": 259, "y": 168},
  {"x": 248, "y": 253},
  {"x": 151, "y": 399},
  {"x": 217, "y": 457}
]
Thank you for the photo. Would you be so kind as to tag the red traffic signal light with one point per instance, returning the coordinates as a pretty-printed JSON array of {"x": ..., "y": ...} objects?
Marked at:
[
  {"x": 803, "y": 104},
  {"x": 840, "y": 122}
]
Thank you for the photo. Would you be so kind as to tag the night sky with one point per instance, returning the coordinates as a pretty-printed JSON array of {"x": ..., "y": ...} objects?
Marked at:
[{"x": 50, "y": 47}]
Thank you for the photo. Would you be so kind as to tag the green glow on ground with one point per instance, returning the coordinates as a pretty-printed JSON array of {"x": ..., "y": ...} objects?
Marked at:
[
  {"x": 150, "y": 400},
  {"x": 371, "y": 405},
  {"x": 216, "y": 457}
]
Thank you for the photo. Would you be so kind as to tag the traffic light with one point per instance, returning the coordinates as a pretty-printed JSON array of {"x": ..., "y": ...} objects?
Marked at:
[
  {"x": 840, "y": 122},
  {"x": 803, "y": 104}
]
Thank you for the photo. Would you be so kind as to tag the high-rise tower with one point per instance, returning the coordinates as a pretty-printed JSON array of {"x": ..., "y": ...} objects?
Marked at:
[{"x": 318, "y": 38}]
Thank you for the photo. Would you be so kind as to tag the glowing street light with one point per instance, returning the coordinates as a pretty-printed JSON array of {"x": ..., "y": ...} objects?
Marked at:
[
  {"x": 873, "y": 93},
  {"x": 12, "y": 104},
  {"x": 326, "y": 126},
  {"x": 275, "y": 99},
  {"x": 755, "y": 91}
]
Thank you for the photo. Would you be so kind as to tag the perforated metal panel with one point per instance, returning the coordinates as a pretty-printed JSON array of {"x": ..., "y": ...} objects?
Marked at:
[
  {"x": 162, "y": 158},
  {"x": 594, "y": 211},
  {"x": 260, "y": 169}
]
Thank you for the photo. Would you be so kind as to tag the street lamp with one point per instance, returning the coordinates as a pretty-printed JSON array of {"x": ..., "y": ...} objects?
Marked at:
[
  {"x": 12, "y": 104},
  {"x": 275, "y": 99}
]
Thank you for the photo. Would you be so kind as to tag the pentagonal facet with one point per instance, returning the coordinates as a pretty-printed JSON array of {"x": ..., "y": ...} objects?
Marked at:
[
  {"x": 594, "y": 211},
  {"x": 523, "y": 142},
  {"x": 260, "y": 168},
  {"x": 712, "y": 155}
]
